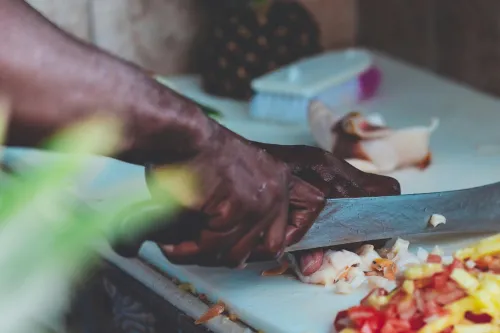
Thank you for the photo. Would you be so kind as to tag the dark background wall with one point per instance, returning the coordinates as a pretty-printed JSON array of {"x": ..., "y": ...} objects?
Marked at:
[{"x": 459, "y": 39}]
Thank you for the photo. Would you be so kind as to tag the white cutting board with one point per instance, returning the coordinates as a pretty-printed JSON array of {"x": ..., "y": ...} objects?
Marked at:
[{"x": 466, "y": 153}]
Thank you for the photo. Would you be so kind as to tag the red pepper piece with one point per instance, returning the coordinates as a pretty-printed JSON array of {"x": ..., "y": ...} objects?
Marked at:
[
  {"x": 342, "y": 321},
  {"x": 417, "y": 322},
  {"x": 434, "y": 259},
  {"x": 395, "y": 326},
  {"x": 439, "y": 280},
  {"x": 478, "y": 318},
  {"x": 366, "y": 318}
]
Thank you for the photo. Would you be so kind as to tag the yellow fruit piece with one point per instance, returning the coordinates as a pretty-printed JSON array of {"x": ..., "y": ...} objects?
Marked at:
[
  {"x": 463, "y": 305},
  {"x": 377, "y": 301},
  {"x": 486, "y": 302},
  {"x": 465, "y": 280},
  {"x": 349, "y": 330},
  {"x": 409, "y": 287},
  {"x": 465, "y": 253},
  {"x": 484, "y": 247},
  {"x": 440, "y": 324},
  {"x": 476, "y": 328},
  {"x": 422, "y": 271}
]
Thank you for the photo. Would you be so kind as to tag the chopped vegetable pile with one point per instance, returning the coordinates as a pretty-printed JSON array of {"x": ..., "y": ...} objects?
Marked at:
[
  {"x": 434, "y": 297},
  {"x": 346, "y": 271}
]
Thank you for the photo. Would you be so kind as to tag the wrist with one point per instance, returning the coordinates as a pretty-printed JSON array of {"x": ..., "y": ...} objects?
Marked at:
[{"x": 165, "y": 127}]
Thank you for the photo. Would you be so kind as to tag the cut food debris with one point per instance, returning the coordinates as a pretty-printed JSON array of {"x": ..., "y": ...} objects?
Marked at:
[
  {"x": 280, "y": 270},
  {"x": 433, "y": 297},
  {"x": 213, "y": 312},
  {"x": 367, "y": 143},
  {"x": 345, "y": 271},
  {"x": 437, "y": 219}
]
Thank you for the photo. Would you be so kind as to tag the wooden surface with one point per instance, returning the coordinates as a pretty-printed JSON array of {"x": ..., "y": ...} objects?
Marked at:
[{"x": 456, "y": 38}]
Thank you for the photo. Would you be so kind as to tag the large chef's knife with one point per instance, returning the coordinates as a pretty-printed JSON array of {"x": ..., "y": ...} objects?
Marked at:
[{"x": 342, "y": 221}]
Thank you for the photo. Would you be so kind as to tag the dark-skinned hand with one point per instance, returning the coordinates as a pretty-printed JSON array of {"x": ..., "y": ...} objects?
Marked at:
[
  {"x": 335, "y": 178},
  {"x": 209, "y": 237}
]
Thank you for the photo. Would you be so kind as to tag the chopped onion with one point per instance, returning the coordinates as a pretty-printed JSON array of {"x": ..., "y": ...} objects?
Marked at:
[
  {"x": 422, "y": 254},
  {"x": 437, "y": 219}
]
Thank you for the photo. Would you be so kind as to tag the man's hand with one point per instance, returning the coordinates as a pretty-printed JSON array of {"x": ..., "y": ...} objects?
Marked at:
[
  {"x": 335, "y": 178},
  {"x": 198, "y": 236},
  {"x": 249, "y": 199}
]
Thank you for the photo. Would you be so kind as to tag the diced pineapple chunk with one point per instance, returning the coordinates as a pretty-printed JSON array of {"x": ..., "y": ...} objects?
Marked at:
[
  {"x": 409, "y": 287},
  {"x": 422, "y": 271},
  {"x": 377, "y": 301},
  {"x": 486, "y": 301},
  {"x": 440, "y": 324},
  {"x": 349, "y": 330},
  {"x": 465, "y": 280},
  {"x": 476, "y": 328},
  {"x": 487, "y": 246},
  {"x": 463, "y": 305},
  {"x": 465, "y": 253}
]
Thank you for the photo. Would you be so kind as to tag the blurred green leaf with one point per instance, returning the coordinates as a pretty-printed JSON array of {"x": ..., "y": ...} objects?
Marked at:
[{"x": 44, "y": 228}]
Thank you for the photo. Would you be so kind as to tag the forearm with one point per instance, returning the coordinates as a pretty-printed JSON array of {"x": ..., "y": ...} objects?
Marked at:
[{"x": 52, "y": 80}]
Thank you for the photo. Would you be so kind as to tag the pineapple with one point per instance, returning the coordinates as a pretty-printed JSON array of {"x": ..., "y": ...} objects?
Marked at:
[{"x": 252, "y": 39}]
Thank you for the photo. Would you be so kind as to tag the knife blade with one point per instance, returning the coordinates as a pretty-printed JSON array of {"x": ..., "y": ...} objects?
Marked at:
[{"x": 349, "y": 220}]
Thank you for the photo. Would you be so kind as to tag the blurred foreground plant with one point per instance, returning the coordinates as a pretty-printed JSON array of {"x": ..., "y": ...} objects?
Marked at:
[{"x": 47, "y": 236}]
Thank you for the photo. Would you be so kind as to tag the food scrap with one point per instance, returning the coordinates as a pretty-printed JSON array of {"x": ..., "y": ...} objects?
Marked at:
[
  {"x": 280, "y": 270},
  {"x": 437, "y": 219},
  {"x": 213, "y": 312},
  {"x": 345, "y": 271},
  {"x": 367, "y": 143},
  {"x": 433, "y": 297}
]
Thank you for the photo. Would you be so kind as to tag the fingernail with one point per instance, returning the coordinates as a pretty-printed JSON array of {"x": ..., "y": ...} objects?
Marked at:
[{"x": 167, "y": 248}]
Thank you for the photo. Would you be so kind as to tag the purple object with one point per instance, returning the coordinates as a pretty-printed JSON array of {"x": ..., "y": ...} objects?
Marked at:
[{"x": 369, "y": 82}]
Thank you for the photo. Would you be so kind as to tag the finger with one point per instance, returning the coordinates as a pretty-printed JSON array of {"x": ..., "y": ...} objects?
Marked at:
[
  {"x": 378, "y": 185},
  {"x": 310, "y": 261},
  {"x": 208, "y": 249},
  {"x": 271, "y": 230},
  {"x": 306, "y": 203},
  {"x": 185, "y": 253},
  {"x": 239, "y": 253}
]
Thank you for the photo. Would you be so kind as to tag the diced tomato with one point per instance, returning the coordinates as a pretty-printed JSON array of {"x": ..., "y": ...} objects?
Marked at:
[
  {"x": 433, "y": 309},
  {"x": 430, "y": 295},
  {"x": 450, "y": 296},
  {"x": 366, "y": 319},
  {"x": 372, "y": 325},
  {"x": 395, "y": 326},
  {"x": 391, "y": 311},
  {"x": 455, "y": 264},
  {"x": 447, "y": 330},
  {"x": 398, "y": 297},
  {"x": 423, "y": 283},
  {"x": 341, "y": 321},
  {"x": 407, "y": 308},
  {"x": 419, "y": 300},
  {"x": 434, "y": 259},
  {"x": 417, "y": 322},
  {"x": 478, "y": 318},
  {"x": 439, "y": 280}
]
